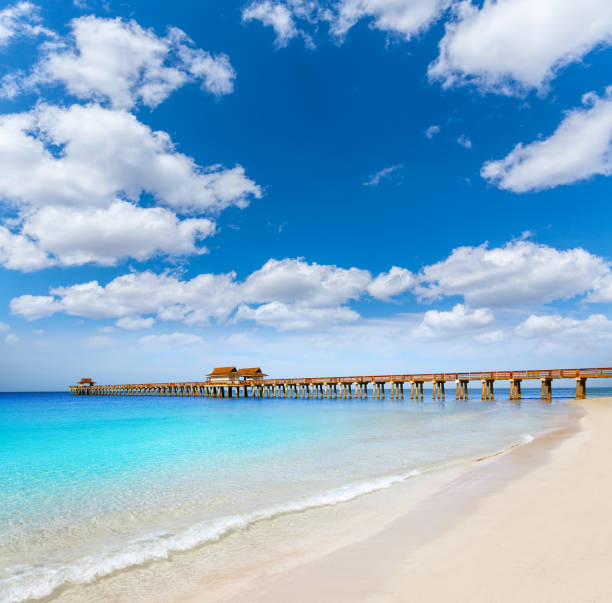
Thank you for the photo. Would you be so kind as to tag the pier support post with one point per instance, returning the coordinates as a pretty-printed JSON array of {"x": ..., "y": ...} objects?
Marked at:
[
  {"x": 546, "y": 388},
  {"x": 580, "y": 388},
  {"x": 515, "y": 389},
  {"x": 487, "y": 389}
]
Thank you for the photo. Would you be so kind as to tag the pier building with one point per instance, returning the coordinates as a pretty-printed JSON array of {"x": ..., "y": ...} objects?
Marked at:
[{"x": 228, "y": 382}]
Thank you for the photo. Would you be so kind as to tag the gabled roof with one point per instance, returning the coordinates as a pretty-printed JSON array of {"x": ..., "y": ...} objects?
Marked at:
[
  {"x": 86, "y": 380},
  {"x": 247, "y": 372},
  {"x": 223, "y": 370}
]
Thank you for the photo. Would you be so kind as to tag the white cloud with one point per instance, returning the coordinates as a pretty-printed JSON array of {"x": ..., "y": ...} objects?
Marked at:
[
  {"x": 432, "y": 131},
  {"x": 405, "y": 17},
  {"x": 33, "y": 307},
  {"x": 66, "y": 169},
  {"x": 99, "y": 341},
  {"x": 581, "y": 147},
  {"x": 122, "y": 63},
  {"x": 291, "y": 280},
  {"x": 20, "y": 19},
  {"x": 394, "y": 282},
  {"x": 297, "y": 292},
  {"x": 595, "y": 326},
  {"x": 510, "y": 46},
  {"x": 135, "y": 323},
  {"x": 464, "y": 141},
  {"x": 170, "y": 340},
  {"x": 102, "y": 154},
  {"x": 195, "y": 301},
  {"x": 20, "y": 253},
  {"x": 602, "y": 290},
  {"x": 291, "y": 18},
  {"x": 276, "y": 15},
  {"x": 4, "y": 326},
  {"x": 11, "y": 339},
  {"x": 288, "y": 317},
  {"x": 78, "y": 236},
  {"x": 459, "y": 320},
  {"x": 519, "y": 272},
  {"x": 374, "y": 179}
]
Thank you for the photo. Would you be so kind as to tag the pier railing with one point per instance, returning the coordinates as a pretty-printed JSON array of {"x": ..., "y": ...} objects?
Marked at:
[{"x": 342, "y": 387}]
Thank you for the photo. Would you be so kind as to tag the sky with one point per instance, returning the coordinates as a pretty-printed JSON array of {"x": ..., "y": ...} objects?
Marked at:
[{"x": 346, "y": 187}]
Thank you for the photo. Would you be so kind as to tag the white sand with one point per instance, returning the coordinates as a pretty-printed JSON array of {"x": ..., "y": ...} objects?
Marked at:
[
  {"x": 532, "y": 525},
  {"x": 545, "y": 535}
]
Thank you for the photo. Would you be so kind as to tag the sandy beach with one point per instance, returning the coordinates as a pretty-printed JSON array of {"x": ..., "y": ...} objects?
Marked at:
[
  {"x": 532, "y": 525},
  {"x": 527, "y": 525}
]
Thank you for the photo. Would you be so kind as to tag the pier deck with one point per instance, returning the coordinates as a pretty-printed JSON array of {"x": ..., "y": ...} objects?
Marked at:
[{"x": 349, "y": 387}]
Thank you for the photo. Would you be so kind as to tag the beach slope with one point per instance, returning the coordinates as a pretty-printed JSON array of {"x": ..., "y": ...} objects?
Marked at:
[{"x": 532, "y": 526}]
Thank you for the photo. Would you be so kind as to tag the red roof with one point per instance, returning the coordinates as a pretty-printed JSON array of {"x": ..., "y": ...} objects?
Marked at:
[
  {"x": 223, "y": 370},
  {"x": 251, "y": 372}
]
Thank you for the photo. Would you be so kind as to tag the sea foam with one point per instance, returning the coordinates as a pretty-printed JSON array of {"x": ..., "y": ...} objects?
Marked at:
[{"x": 37, "y": 582}]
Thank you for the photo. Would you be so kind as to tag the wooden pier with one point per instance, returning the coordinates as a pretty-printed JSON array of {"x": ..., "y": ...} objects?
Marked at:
[{"x": 248, "y": 383}]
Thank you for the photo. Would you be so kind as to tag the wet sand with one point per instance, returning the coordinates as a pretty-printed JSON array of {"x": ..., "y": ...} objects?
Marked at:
[{"x": 531, "y": 525}]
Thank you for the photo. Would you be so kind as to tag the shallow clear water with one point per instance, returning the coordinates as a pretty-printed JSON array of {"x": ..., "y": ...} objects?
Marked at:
[{"x": 90, "y": 485}]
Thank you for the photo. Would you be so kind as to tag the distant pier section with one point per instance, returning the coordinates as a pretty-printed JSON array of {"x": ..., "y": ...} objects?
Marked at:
[{"x": 230, "y": 382}]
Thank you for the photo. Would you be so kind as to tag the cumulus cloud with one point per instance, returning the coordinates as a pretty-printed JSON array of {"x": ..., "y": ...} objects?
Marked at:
[
  {"x": 20, "y": 19},
  {"x": 33, "y": 307},
  {"x": 17, "y": 252},
  {"x": 511, "y": 46},
  {"x": 602, "y": 290},
  {"x": 170, "y": 340},
  {"x": 273, "y": 14},
  {"x": 105, "y": 235},
  {"x": 292, "y": 18},
  {"x": 89, "y": 155},
  {"x": 66, "y": 169},
  {"x": 405, "y": 17},
  {"x": 389, "y": 284},
  {"x": 595, "y": 326},
  {"x": 292, "y": 280},
  {"x": 374, "y": 179},
  {"x": 519, "y": 272},
  {"x": 292, "y": 294},
  {"x": 581, "y": 147},
  {"x": 288, "y": 294},
  {"x": 81, "y": 180},
  {"x": 119, "y": 62},
  {"x": 459, "y": 320}
]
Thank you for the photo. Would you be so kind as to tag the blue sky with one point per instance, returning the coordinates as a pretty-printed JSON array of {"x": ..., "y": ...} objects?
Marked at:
[{"x": 347, "y": 187}]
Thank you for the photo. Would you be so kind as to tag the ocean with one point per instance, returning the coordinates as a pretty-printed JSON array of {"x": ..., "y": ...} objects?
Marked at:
[{"x": 92, "y": 485}]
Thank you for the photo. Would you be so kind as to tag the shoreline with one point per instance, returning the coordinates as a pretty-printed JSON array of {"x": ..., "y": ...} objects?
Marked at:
[
  {"x": 530, "y": 525},
  {"x": 253, "y": 562}
]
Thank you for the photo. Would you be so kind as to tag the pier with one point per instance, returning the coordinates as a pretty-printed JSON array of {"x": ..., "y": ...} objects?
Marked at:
[{"x": 229, "y": 382}]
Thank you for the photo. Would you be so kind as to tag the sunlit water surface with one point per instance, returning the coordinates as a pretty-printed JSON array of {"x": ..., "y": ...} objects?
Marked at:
[{"x": 90, "y": 485}]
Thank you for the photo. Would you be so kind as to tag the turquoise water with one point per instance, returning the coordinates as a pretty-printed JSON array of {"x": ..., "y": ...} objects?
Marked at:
[{"x": 90, "y": 485}]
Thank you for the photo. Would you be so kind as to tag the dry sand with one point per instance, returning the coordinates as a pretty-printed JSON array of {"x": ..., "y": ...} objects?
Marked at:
[{"x": 532, "y": 526}]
